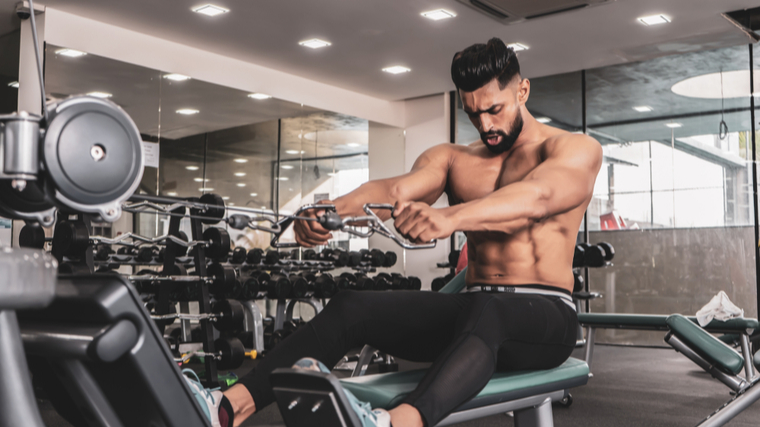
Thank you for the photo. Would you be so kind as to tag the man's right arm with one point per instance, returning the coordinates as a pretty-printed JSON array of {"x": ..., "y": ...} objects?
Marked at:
[{"x": 424, "y": 183}]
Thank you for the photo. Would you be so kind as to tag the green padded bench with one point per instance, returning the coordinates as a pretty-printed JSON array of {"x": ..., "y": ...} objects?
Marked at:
[
  {"x": 528, "y": 393},
  {"x": 717, "y": 359},
  {"x": 737, "y": 329}
]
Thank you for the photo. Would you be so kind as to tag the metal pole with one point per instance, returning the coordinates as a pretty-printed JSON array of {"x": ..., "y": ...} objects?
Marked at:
[
  {"x": 754, "y": 174},
  {"x": 584, "y": 128}
]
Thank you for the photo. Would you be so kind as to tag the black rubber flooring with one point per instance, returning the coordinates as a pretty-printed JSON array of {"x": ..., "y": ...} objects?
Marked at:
[{"x": 631, "y": 387}]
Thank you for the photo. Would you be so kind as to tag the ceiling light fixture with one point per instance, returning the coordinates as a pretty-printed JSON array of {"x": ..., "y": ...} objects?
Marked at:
[
  {"x": 438, "y": 14},
  {"x": 176, "y": 77},
  {"x": 230, "y": 204},
  {"x": 240, "y": 160},
  {"x": 654, "y": 20},
  {"x": 101, "y": 95},
  {"x": 210, "y": 10},
  {"x": 192, "y": 168},
  {"x": 259, "y": 96},
  {"x": 643, "y": 109},
  {"x": 673, "y": 125},
  {"x": 226, "y": 198},
  {"x": 314, "y": 43},
  {"x": 291, "y": 151},
  {"x": 353, "y": 144},
  {"x": 71, "y": 53},
  {"x": 205, "y": 189},
  {"x": 543, "y": 119},
  {"x": 283, "y": 178},
  {"x": 240, "y": 184},
  {"x": 396, "y": 69},
  {"x": 187, "y": 111},
  {"x": 171, "y": 193},
  {"x": 200, "y": 179},
  {"x": 287, "y": 167},
  {"x": 254, "y": 194},
  {"x": 517, "y": 47},
  {"x": 239, "y": 173},
  {"x": 13, "y": 85}
]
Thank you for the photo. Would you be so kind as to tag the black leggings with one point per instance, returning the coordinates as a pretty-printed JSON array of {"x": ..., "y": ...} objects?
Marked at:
[{"x": 467, "y": 337}]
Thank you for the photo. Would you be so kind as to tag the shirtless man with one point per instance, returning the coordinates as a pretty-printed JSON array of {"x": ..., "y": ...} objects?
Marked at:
[{"x": 519, "y": 194}]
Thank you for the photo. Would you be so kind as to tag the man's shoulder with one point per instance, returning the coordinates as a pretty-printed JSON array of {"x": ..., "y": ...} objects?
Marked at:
[{"x": 563, "y": 141}]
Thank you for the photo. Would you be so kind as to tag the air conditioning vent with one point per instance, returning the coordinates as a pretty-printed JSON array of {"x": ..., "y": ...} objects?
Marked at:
[
  {"x": 489, "y": 9},
  {"x": 513, "y": 11}
]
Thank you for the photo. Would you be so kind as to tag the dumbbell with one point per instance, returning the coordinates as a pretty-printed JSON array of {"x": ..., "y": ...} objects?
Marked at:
[
  {"x": 375, "y": 257},
  {"x": 230, "y": 353},
  {"x": 309, "y": 254},
  {"x": 382, "y": 282},
  {"x": 238, "y": 255},
  {"x": 254, "y": 256},
  {"x": 609, "y": 251},
  {"x": 299, "y": 286},
  {"x": 272, "y": 257},
  {"x": 439, "y": 282},
  {"x": 350, "y": 281},
  {"x": 339, "y": 257},
  {"x": 354, "y": 258},
  {"x": 390, "y": 259},
  {"x": 102, "y": 252},
  {"x": 415, "y": 284},
  {"x": 325, "y": 286},
  {"x": 454, "y": 258},
  {"x": 146, "y": 253},
  {"x": 395, "y": 282},
  {"x": 278, "y": 287},
  {"x": 593, "y": 255}
]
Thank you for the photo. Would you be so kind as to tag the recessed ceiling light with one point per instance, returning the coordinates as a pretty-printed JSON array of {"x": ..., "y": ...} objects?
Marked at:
[
  {"x": 437, "y": 15},
  {"x": 230, "y": 204},
  {"x": 673, "y": 125},
  {"x": 187, "y": 111},
  {"x": 263, "y": 207},
  {"x": 176, "y": 77},
  {"x": 101, "y": 95},
  {"x": 314, "y": 43},
  {"x": 13, "y": 84},
  {"x": 287, "y": 167},
  {"x": 396, "y": 69},
  {"x": 291, "y": 151},
  {"x": 654, "y": 20},
  {"x": 543, "y": 119},
  {"x": 353, "y": 144},
  {"x": 259, "y": 96},
  {"x": 226, "y": 198},
  {"x": 518, "y": 46},
  {"x": 283, "y": 178},
  {"x": 210, "y": 10},
  {"x": 171, "y": 193},
  {"x": 192, "y": 168},
  {"x": 241, "y": 160},
  {"x": 205, "y": 189},
  {"x": 71, "y": 53},
  {"x": 643, "y": 108},
  {"x": 200, "y": 179},
  {"x": 254, "y": 194},
  {"x": 240, "y": 184},
  {"x": 290, "y": 189},
  {"x": 239, "y": 173}
]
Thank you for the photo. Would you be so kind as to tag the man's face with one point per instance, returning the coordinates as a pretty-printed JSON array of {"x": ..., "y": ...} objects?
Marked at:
[{"x": 496, "y": 112}]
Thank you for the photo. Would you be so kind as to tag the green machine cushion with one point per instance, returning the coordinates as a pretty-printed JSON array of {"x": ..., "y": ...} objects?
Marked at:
[
  {"x": 387, "y": 390},
  {"x": 706, "y": 345},
  {"x": 456, "y": 284}
]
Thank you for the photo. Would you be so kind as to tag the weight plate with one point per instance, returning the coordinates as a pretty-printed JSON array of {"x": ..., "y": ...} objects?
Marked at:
[
  {"x": 70, "y": 238},
  {"x": 218, "y": 243},
  {"x": 215, "y": 211},
  {"x": 93, "y": 155},
  {"x": 233, "y": 353},
  {"x": 232, "y": 315},
  {"x": 31, "y": 236}
]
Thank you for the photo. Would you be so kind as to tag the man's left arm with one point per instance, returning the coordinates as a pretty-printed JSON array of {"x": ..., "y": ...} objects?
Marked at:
[{"x": 562, "y": 182}]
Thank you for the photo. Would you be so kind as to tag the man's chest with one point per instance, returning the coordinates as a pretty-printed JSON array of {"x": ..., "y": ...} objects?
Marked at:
[{"x": 472, "y": 177}]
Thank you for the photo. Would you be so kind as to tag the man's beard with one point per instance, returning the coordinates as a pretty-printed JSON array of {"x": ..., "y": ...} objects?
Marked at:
[{"x": 507, "y": 139}]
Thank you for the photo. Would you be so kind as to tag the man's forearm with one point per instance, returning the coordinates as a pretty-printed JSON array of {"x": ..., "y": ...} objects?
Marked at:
[
  {"x": 506, "y": 210},
  {"x": 378, "y": 191}
]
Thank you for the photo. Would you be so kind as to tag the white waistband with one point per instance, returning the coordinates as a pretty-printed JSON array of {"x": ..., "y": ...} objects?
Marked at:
[{"x": 522, "y": 290}]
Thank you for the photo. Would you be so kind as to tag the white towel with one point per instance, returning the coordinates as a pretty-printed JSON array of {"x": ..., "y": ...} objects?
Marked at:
[{"x": 720, "y": 308}]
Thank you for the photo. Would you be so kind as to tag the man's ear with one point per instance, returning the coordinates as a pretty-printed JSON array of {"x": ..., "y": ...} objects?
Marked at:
[{"x": 523, "y": 91}]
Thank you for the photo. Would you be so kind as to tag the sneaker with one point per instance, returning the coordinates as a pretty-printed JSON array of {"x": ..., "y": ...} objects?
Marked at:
[
  {"x": 208, "y": 399},
  {"x": 369, "y": 417}
]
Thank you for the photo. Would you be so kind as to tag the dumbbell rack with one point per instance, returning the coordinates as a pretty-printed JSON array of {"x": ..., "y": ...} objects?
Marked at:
[{"x": 204, "y": 299}]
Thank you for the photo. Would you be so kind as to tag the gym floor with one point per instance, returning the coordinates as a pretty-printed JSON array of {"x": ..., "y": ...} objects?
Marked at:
[{"x": 631, "y": 387}]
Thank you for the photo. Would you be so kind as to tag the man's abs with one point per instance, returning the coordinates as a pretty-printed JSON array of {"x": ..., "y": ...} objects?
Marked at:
[{"x": 535, "y": 255}]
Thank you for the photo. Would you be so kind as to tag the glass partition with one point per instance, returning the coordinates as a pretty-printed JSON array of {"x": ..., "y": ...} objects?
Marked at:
[
  {"x": 673, "y": 195},
  {"x": 9, "y": 51}
]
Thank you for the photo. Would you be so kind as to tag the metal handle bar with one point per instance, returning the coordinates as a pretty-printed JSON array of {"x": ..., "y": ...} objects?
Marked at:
[{"x": 284, "y": 223}]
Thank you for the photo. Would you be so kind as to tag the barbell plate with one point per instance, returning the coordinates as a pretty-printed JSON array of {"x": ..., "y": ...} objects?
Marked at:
[{"x": 218, "y": 243}]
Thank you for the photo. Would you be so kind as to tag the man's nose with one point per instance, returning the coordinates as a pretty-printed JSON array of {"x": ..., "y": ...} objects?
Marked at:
[{"x": 485, "y": 123}]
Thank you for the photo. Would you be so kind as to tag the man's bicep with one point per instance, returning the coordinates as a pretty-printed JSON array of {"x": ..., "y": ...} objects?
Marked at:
[{"x": 427, "y": 179}]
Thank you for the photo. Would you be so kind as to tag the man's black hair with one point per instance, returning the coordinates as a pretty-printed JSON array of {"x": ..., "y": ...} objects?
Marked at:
[{"x": 480, "y": 63}]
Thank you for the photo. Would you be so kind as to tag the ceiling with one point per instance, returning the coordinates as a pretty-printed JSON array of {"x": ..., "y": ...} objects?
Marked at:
[{"x": 369, "y": 35}]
